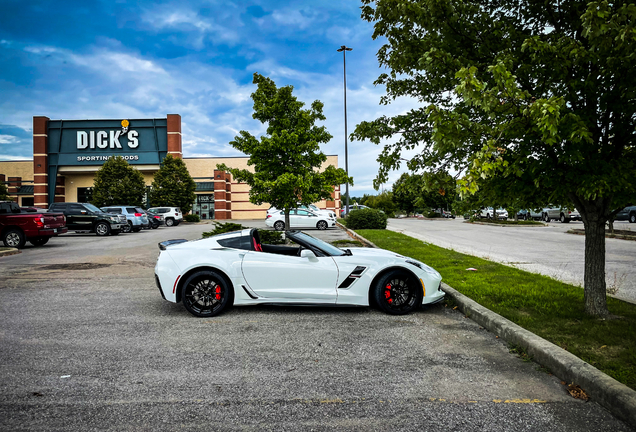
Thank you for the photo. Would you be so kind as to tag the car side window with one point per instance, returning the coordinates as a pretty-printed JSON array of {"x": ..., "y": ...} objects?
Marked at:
[
  {"x": 302, "y": 212},
  {"x": 242, "y": 242},
  {"x": 130, "y": 209},
  {"x": 5, "y": 208},
  {"x": 76, "y": 209}
]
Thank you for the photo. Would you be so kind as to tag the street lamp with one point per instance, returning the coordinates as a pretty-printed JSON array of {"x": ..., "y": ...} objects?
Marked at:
[{"x": 344, "y": 50}]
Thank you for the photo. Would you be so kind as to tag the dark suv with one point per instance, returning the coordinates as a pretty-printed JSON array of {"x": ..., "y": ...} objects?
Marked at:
[{"x": 87, "y": 217}]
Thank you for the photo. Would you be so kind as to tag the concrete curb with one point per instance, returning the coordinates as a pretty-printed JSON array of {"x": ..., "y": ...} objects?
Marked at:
[
  {"x": 507, "y": 225},
  {"x": 9, "y": 251},
  {"x": 617, "y": 398},
  {"x": 357, "y": 236},
  {"x": 616, "y": 236}
]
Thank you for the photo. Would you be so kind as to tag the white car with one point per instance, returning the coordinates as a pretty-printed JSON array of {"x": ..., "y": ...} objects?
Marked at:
[
  {"x": 299, "y": 218},
  {"x": 311, "y": 208},
  {"x": 212, "y": 274},
  {"x": 171, "y": 215},
  {"x": 488, "y": 213}
]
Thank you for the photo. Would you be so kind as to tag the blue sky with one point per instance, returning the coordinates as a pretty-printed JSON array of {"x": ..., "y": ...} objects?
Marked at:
[{"x": 142, "y": 59}]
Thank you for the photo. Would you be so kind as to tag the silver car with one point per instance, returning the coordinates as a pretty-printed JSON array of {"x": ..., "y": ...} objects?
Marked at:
[
  {"x": 562, "y": 214},
  {"x": 137, "y": 218}
]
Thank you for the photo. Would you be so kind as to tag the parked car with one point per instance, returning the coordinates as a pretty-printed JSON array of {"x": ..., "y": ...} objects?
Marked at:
[
  {"x": 87, "y": 217},
  {"x": 310, "y": 207},
  {"x": 560, "y": 213},
  {"x": 628, "y": 213},
  {"x": 352, "y": 207},
  {"x": 299, "y": 218},
  {"x": 37, "y": 227},
  {"x": 171, "y": 215},
  {"x": 156, "y": 220},
  {"x": 488, "y": 213},
  {"x": 448, "y": 215},
  {"x": 136, "y": 218},
  {"x": 212, "y": 274}
]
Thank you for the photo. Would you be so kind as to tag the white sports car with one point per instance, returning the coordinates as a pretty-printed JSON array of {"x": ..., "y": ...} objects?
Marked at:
[{"x": 212, "y": 274}]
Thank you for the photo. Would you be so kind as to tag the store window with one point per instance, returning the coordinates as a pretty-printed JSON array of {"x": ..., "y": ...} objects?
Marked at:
[
  {"x": 204, "y": 206},
  {"x": 84, "y": 195},
  {"x": 28, "y": 202}
]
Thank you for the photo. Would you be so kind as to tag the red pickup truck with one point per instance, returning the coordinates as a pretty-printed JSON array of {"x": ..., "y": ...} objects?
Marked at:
[{"x": 16, "y": 226}]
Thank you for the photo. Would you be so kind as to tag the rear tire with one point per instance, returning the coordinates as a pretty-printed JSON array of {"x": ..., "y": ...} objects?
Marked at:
[
  {"x": 136, "y": 229},
  {"x": 632, "y": 218},
  {"x": 39, "y": 241},
  {"x": 206, "y": 294},
  {"x": 155, "y": 226},
  {"x": 14, "y": 238},
  {"x": 127, "y": 227},
  {"x": 564, "y": 219},
  {"x": 398, "y": 293},
  {"x": 169, "y": 222},
  {"x": 279, "y": 225},
  {"x": 546, "y": 218}
]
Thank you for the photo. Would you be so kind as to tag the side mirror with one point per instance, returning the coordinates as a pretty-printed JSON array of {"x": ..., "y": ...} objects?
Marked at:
[{"x": 306, "y": 253}]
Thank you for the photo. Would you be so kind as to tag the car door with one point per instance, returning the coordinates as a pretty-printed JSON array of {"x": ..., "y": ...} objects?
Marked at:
[
  {"x": 300, "y": 219},
  {"x": 291, "y": 278},
  {"x": 81, "y": 216}
]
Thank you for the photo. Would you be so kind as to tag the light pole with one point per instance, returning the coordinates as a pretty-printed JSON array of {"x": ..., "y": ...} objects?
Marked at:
[{"x": 344, "y": 50}]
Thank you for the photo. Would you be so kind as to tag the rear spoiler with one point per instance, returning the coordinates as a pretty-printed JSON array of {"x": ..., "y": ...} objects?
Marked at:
[{"x": 164, "y": 244}]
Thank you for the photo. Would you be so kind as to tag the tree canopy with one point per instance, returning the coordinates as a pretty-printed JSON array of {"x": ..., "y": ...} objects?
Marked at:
[
  {"x": 287, "y": 159},
  {"x": 4, "y": 192},
  {"x": 539, "y": 95},
  {"x": 172, "y": 185},
  {"x": 116, "y": 182},
  {"x": 423, "y": 192}
]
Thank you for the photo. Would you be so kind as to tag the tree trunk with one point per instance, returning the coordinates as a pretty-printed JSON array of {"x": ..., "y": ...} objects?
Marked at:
[
  {"x": 594, "y": 214},
  {"x": 287, "y": 224}
]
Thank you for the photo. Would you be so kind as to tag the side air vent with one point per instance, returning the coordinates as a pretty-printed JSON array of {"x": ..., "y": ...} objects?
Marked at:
[{"x": 355, "y": 274}]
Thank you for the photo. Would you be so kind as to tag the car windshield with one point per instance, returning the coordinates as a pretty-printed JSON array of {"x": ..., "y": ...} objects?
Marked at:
[
  {"x": 319, "y": 244},
  {"x": 92, "y": 208}
]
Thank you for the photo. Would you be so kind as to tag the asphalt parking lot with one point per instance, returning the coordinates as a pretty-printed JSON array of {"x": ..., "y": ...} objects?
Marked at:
[
  {"x": 88, "y": 343},
  {"x": 539, "y": 249}
]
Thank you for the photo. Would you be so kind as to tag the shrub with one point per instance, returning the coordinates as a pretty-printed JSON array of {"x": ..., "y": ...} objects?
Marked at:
[
  {"x": 192, "y": 218},
  {"x": 271, "y": 237},
  {"x": 366, "y": 219}
]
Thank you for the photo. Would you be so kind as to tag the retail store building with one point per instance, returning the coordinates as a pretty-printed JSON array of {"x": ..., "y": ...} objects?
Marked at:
[{"x": 68, "y": 153}]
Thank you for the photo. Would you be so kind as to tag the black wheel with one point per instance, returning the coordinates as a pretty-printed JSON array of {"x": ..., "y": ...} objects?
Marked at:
[
  {"x": 39, "y": 241},
  {"x": 102, "y": 229},
  {"x": 155, "y": 226},
  {"x": 136, "y": 229},
  {"x": 398, "y": 293},
  {"x": 488, "y": 216},
  {"x": 115, "y": 232},
  {"x": 14, "y": 238},
  {"x": 279, "y": 225},
  {"x": 546, "y": 218},
  {"x": 206, "y": 293},
  {"x": 321, "y": 225},
  {"x": 632, "y": 218},
  {"x": 127, "y": 227},
  {"x": 169, "y": 222},
  {"x": 563, "y": 219}
]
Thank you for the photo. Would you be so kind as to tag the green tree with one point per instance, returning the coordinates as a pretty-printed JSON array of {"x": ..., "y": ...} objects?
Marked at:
[
  {"x": 383, "y": 201},
  {"x": 541, "y": 94},
  {"x": 4, "y": 192},
  {"x": 423, "y": 192},
  {"x": 116, "y": 182},
  {"x": 287, "y": 158},
  {"x": 172, "y": 186}
]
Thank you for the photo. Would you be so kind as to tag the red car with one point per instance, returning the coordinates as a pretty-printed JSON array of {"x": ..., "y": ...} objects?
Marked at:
[{"x": 18, "y": 226}]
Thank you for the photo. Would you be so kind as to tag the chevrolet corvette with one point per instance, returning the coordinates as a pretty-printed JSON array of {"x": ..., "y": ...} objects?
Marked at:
[{"x": 212, "y": 274}]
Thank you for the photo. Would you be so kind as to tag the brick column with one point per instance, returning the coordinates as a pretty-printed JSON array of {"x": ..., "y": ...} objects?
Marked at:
[
  {"x": 60, "y": 189},
  {"x": 220, "y": 194},
  {"x": 14, "y": 185},
  {"x": 174, "y": 136},
  {"x": 228, "y": 195},
  {"x": 40, "y": 161}
]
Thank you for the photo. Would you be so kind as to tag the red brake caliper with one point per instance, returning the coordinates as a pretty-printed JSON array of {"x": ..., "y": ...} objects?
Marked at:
[
  {"x": 218, "y": 292},
  {"x": 387, "y": 293}
]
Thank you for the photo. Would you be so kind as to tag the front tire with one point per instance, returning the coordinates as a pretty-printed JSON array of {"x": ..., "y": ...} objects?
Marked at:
[
  {"x": 169, "y": 222},
  {"x": 279, "y": 225},
  {"x": 102, "y": 229},
  {"x": 397, "y": 293},
  {"x": 14, "y": 238},
  {"x": 206, "y": 294},
  {"x": 321, "y": 225},
  {"x": 39, "y": 241},
  {"x": 155, "y": 226},
  {"x": 564, "y": 219}
]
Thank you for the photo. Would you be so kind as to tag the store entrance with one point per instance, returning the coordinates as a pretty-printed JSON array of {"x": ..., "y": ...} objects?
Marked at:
[{"x": 204, "y": 206}]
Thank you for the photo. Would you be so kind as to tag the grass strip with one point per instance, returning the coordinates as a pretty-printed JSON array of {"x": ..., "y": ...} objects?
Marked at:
[{"x": 549, "y": 308}]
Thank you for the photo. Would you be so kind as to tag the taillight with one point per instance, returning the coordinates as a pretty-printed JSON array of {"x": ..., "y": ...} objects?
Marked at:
[
  {"x": 268, "y": 216},
  {"x": 39, "y": 221},
  {"x": 138, "y": 214}
]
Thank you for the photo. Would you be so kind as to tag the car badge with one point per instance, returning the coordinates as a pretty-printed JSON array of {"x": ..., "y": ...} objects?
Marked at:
[{"x": 124, "y": 126}]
